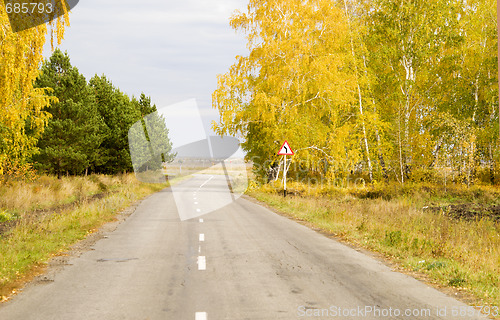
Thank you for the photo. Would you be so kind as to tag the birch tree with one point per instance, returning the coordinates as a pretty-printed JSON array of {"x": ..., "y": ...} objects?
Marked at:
[
  {"x": 22, "y": 118},
  {"x": 297, "y": 83}
]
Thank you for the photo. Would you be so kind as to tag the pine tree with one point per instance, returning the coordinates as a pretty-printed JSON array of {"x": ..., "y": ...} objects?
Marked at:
[
  {"x": 149, "y": 138},
  {"x": 119, "y": 113},
  {"x": 70, "y": 143}
]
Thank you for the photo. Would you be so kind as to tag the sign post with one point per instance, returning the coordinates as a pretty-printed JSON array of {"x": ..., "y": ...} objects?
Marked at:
[
  {"x": 284, "y": 177},
  {"x": 285, "y": 150}
]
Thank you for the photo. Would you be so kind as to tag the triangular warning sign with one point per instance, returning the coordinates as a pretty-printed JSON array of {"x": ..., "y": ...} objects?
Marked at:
[{"x": 285, "y": 150}]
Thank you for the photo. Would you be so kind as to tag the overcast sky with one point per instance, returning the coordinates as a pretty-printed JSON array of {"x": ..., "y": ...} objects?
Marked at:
[{"x": 170, "y": 50}]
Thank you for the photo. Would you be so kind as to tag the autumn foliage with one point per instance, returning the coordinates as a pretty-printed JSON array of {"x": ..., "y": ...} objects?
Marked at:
[
  {"x": 22, "y": 106},
  {"x": 381, "y": 89}
]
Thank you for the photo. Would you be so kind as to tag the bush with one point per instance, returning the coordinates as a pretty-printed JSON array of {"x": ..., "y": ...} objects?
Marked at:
[{"x": 6, "y": 216}]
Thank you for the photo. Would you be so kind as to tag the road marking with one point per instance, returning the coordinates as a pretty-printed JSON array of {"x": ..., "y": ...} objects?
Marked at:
[
  {"x": 201, "y": 220},
  {"x": 204, "y": 183},
  {"x": 202, "y": 237},
  {"x": 200, "y": 316},
  {"x": 199, "y": 249},
  {"x": 202, "y": 263},
  {"x": 196, "y": 202},
  {"x": 198, "y": 210}
]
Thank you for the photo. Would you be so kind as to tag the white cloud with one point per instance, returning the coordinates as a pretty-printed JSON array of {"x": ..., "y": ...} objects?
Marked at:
[{"x": 171, "y": 50}]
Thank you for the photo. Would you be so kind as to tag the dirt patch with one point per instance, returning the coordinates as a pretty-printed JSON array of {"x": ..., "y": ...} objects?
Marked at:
[
  {"x": 469, "y": 211},
  {"x": 6, "y": 226}
]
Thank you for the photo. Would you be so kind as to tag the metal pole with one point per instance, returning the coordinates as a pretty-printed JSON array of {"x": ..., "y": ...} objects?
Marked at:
[{"x": 284, "y": 177}]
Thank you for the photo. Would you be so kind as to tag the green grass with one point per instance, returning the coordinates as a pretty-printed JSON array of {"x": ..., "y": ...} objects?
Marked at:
[
  {"x": 464, "y": 254},
  {"x": 69, "y": 216}
]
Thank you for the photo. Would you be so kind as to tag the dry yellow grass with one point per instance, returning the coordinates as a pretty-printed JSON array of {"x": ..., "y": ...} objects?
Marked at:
[{"x": 46, "y": 191}]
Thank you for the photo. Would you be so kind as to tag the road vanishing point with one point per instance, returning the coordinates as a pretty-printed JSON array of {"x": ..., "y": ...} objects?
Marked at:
[{"x": 241, "y": 261}]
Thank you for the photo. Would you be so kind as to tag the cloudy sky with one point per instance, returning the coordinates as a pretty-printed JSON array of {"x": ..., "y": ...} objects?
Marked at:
[{"x": 170, "y": 50}]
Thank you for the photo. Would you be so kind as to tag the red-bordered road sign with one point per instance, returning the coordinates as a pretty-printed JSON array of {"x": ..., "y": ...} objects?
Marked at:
[{"x": 285, "y": 150}]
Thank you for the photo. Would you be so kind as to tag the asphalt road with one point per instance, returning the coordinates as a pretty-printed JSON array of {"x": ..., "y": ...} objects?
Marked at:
[{"x": 241, "y": 261}]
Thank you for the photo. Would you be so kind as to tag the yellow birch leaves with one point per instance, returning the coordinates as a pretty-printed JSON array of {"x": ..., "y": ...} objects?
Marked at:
[
  {"x": 297, "y": 83},
  {"x": 22, "y": 118}
]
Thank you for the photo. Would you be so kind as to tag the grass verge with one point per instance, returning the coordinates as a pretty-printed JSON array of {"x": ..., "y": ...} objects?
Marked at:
[
  {"x": 45, "y": 217},
  {"x": 452, "y": 252}
]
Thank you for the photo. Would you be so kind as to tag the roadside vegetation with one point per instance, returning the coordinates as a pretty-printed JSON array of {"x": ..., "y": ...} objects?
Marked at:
[
  {"x": 43, "y": 217},
  {"x": 452, "y": 235},
  {"x": 394, "y": 90}
]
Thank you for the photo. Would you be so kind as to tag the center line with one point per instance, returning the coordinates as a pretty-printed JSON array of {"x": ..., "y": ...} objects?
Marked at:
[
  {"x": 202, "y": 237},
  {"x": 204, "y": 183},
  {"x": 200, "y": 316},
  {"x": 202, "y": 263},
  {"x": 198, "y": 210},
  {"x": 201, "y": 220}
]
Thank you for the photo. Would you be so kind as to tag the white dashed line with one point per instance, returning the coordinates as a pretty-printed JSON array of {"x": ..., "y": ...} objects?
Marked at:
[
  {"x": 200, "y": 316},
  {"x": 204, "y": 183},
  {"x": 202, "y": 263}
]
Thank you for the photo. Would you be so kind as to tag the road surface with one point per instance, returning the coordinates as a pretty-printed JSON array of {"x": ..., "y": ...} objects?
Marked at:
[{"x": 241, "y": 261}]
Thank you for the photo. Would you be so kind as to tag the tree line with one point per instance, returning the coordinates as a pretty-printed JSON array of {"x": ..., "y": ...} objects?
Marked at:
[
  {"x": 385, "y": 89},
  {"x": 53, "y": 121},
  {"x": 87, "y": 131}
]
